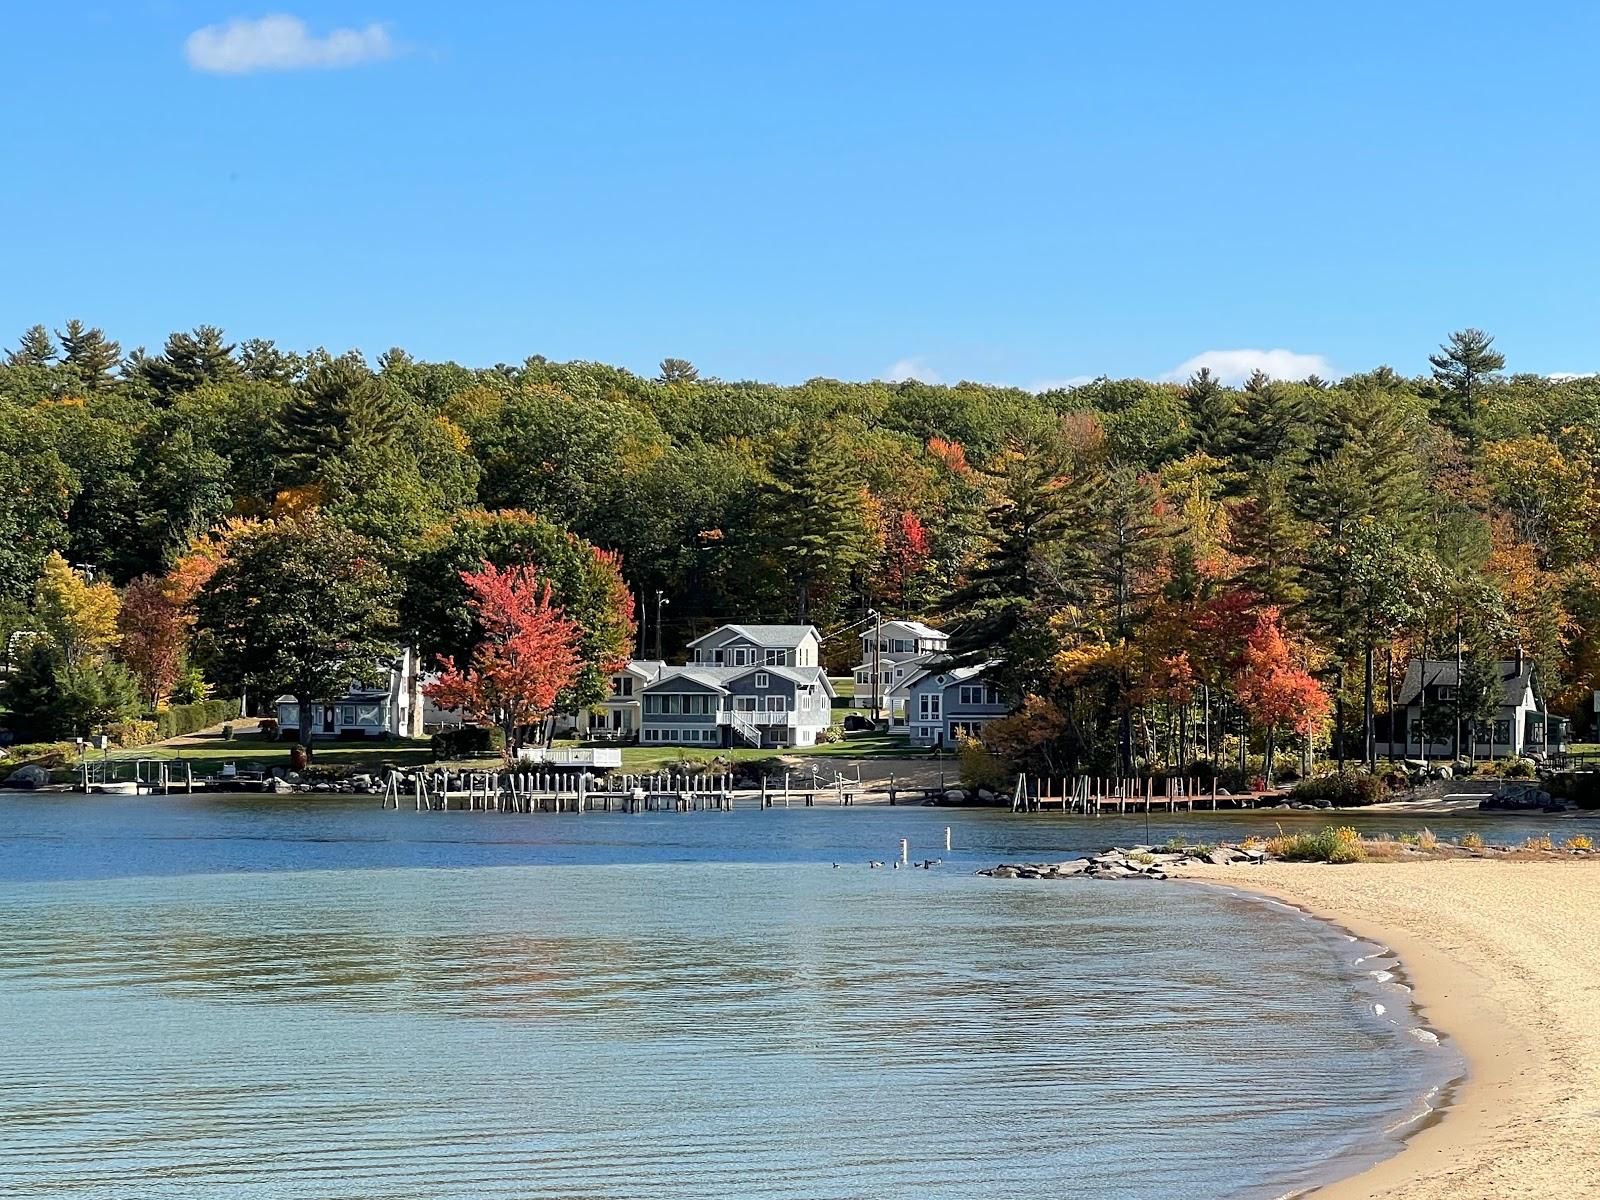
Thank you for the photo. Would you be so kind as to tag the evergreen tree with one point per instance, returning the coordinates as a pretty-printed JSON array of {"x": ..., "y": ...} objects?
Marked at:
[
  {"x": 261, "y": 360},
  {"x": 1463, "y": 366},
  {"x": 34, "y": 349},
  {"x": 1213, "y": 414},
  {"x": 810, "y": 525},
  {"x": 678, "y": 370},
  {"x": 1264, "y": 530},
  {"x": 89, "y": 353},
  {"x": 189, "y": 360},
  {"x": 340, "y": 411}
]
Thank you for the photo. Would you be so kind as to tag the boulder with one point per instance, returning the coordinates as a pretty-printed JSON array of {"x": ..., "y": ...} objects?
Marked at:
[
  {"x": 277, "y": 786},
  {"x": 955, "y": 796},
  {"x": 28, "y": 777},
  {"x": 1221, "y": 857}
]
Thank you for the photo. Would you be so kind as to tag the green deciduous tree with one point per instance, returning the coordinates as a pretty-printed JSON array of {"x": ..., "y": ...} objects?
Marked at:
[{"x": 301, "y": 606}]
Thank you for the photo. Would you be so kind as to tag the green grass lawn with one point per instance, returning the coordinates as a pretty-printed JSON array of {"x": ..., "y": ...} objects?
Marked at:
[
  {"x": 209, "y": 752},
  {"x": 854, "y": 746}
]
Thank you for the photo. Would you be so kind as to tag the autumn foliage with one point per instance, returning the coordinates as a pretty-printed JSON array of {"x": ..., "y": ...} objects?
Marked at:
[{"x": 527, "y": 654}]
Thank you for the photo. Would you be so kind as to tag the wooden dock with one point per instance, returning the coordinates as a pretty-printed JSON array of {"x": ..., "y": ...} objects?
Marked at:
[
  {"x": 1094, "y": 795},
  {"x": 579, "y": 792}
]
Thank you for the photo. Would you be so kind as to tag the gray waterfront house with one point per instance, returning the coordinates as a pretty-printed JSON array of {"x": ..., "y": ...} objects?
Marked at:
[
  {"x": 744, "y": 685},
  {"x": 945, "y": 704}
]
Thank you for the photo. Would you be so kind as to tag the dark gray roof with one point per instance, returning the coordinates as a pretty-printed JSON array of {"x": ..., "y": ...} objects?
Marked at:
[
  {"x": 1515, "y": 679},
  {"x": 775, "y": 637}
]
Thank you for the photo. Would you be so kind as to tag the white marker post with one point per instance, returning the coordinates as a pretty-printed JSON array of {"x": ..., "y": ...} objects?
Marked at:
[
  {"x": 947, "y": 839},
  {"x": 905, "y": 851}
]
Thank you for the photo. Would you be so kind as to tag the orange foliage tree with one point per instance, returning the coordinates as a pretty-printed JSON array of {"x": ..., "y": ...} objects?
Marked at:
[
  {"x": 1275, "y": 691},
  {"x": 526, "y": 656}
]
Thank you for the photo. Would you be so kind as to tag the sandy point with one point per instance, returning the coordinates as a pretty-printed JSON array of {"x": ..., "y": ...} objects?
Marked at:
[{"x": 1505, "y": 960}]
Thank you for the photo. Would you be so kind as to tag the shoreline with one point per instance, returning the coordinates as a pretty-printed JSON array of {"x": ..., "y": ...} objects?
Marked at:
[{"x": 1502, "y": 960}]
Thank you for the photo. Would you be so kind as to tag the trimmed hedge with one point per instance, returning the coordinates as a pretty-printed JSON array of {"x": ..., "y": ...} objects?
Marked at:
[
  {"x": 468, "y": 741},
  {"x": 191, "y": 718}
]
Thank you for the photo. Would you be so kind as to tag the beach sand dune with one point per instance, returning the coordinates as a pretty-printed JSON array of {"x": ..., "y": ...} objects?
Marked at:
[{"x": 1505, "y": 958}]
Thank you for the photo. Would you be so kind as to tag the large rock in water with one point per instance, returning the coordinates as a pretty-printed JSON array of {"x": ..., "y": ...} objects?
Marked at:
[{"x": 28, "y": 777}]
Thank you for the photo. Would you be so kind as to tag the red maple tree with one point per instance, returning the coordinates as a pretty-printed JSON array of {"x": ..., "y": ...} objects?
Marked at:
[
  {"x": 527, "y": 654},
  {"x": 905, "y": 553},
  {"x": 1278, "y": 693}
]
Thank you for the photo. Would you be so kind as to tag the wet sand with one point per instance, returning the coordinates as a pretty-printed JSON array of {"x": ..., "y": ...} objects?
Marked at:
[{"x": 1505, "y": 960}]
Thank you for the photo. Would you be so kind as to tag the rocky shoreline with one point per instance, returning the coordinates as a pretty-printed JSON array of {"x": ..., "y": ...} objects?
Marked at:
[{"x": 1135, "y": 862}]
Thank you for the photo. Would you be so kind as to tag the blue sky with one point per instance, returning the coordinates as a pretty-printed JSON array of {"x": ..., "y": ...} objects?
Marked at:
[{"x": 1013, "y": 192}]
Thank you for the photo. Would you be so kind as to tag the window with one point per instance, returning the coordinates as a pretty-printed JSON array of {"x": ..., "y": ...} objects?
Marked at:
[
  {"x": 650, "y": 735},
  {"x": 719, "y": 658},
  {"x": 968, "y": 729},
  {"x": 928, "y": 706},
  {"x": 971, "y": 694},
  {"x": 991, "y": 695},
  {"x": 774, "y": 658},
  {"x": 622, "y": 685},
  {"x": 369, "y": 714},
  {"x": 762, "y": 680},
  {"x": 347, "y": 714},
  {"x": 744, "y": 704},
  {"x": 1447, "y": 693},
  {"x": 777, "y": 704}
]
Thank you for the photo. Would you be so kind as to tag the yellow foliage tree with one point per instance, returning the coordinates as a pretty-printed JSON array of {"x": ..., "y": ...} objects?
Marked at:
[{"x": 79, "y": 616}]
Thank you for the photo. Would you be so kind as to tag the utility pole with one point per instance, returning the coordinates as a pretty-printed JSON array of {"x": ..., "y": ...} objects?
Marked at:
[
  {"x": 877, "y": 667},
  {"x": 644, "y": 621},
  {"x": 661, "y": 598}
]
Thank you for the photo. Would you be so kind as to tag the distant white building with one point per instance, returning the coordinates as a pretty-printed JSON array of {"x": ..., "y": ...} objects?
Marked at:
[
  {"x": 617, "y": 717},
  {"x": 893, "y": 652},
  {"x": 391, "y": 709},
  {"x": 1521, "y": 725}
]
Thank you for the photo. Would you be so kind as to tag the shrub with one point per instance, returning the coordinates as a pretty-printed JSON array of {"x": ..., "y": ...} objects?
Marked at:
[
  {"x": 49, "y": 755},
  {"x": 1329, "y": 845},
  {"x": 1472, "y": 841},
  {"x": 181, "y": 719},
  {"x": 268, "y": 728},
  {"x": 127, "y": 734},
  {"x": 1426, "y": 840},
  {"x": 1578, "y": 841},
  {"x": 1342, "y": 789},
  {"x": 980, "y": 768},
  {"x": 831, "y": 734},
  {"x": 1518, "y": 768},
  {"x": 1537, "y": 842},
  {"x": 468, "y": 741}
]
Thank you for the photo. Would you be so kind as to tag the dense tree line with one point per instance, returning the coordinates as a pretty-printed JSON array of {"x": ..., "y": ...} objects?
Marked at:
[{"x": 1121, "y": 545}]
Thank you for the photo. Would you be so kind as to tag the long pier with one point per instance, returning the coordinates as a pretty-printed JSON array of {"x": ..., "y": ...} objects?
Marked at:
[
  {"x": 578, "y": 791},
  {"x": 1094, "y": 795}
]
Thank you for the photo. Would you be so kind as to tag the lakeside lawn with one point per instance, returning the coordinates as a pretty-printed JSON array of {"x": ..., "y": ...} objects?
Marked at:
[{"x": 208, "y": 751}]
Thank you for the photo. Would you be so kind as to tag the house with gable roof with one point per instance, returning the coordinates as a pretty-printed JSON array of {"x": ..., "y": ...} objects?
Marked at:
[{"x": 745, "y": 685}]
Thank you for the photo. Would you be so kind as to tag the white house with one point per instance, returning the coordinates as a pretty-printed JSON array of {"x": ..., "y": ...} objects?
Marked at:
[
  {"x": 945, "y": 704},
  {"x": 746, "y": 685},
  {"x": 617, "y": 716},
  {"x": 391, "y": 709},
  {"x": 1521, "y": 725},
  {"x": 891, "y": 653}
]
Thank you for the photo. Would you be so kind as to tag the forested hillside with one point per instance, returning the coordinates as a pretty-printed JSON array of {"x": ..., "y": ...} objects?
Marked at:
[{"x": 1123, "y": 544}]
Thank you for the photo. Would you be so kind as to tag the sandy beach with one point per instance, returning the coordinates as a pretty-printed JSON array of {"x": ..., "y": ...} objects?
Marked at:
[{"x": 1505, "y": 960}]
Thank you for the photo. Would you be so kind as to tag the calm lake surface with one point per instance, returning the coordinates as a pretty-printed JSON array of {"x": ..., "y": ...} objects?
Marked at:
[{"x": 311, "y": 997}]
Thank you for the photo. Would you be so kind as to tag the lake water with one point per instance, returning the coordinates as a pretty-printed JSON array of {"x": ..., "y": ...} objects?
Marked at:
[{"x": 314, "y": 998}]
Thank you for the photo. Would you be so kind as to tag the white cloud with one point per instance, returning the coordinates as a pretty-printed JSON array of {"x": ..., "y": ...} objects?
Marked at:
[
  {"x": 1235, "y": 366},
  {"x": 912, "y": 368},
  {"x": 281, "y": 42}
]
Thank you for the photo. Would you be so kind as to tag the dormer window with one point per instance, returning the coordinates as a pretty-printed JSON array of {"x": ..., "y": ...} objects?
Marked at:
[{"x": 762, "y": 679}]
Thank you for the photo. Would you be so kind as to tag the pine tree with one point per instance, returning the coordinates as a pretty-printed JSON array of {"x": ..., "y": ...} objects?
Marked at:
[
  {"x": 90, "y": 353},
  {"x": 189, "y": 360},
  {"x": 1213, "y": 414},
  {"x": 678, "y": 370},
  {"x": 1462, "y": 367},
  {"x": 1264, "y": 530},
  {"x": 261, "y": 360},
  {"x": 35, "y": 349},
  {"x": 341, "y": 411},
  {"x": 811, "y": 523}
]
